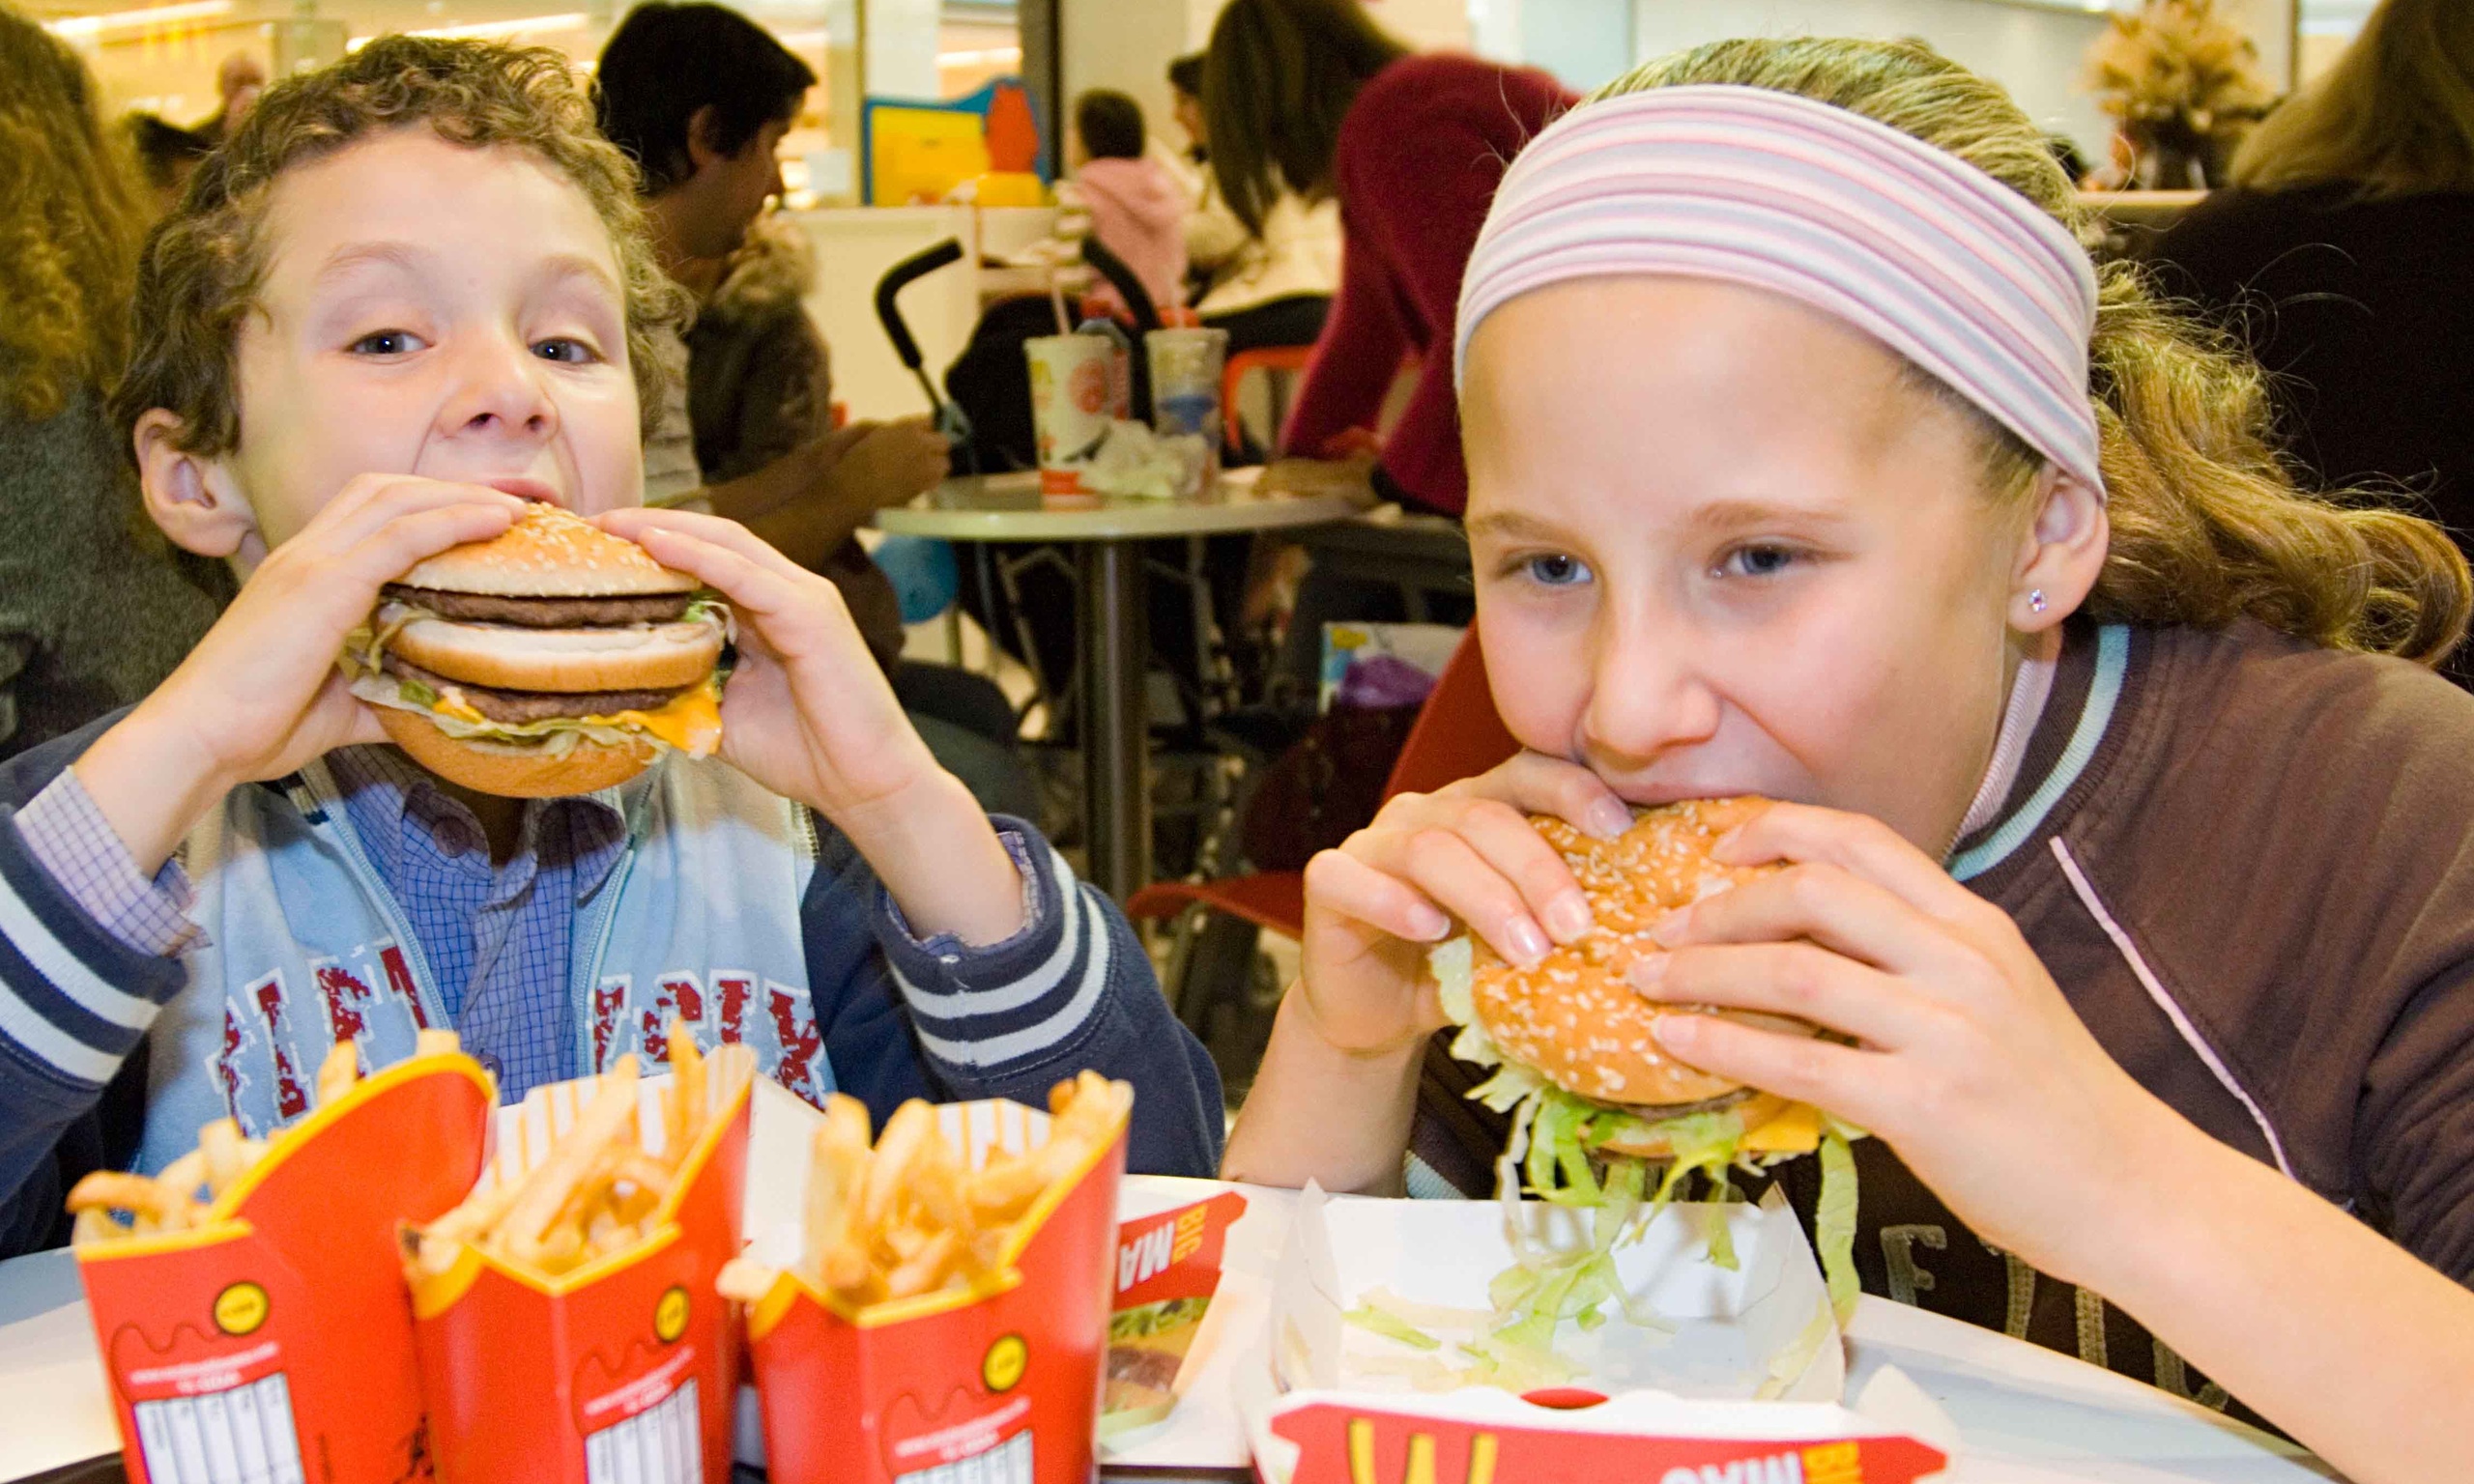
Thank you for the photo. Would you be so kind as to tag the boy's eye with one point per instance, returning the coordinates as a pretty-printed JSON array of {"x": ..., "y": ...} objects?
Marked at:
[
  {"x": 386, "y": 342},
  {"x": 1755, "y": 560},
  {"x": 1556, "y": 569},
  {"x": 564, "y": 348}
]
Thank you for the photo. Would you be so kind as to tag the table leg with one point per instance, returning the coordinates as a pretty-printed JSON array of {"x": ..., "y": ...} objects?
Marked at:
[{"x": 1116, "y": 733}]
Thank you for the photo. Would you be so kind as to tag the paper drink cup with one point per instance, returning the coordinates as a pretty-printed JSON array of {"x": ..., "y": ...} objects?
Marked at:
[
  {"x": 274, "y": 1342},
  {"x": 622, "y": 1370},
  {"x": 1072, "y": 400},
  {"x": 998, "y": 1383}
]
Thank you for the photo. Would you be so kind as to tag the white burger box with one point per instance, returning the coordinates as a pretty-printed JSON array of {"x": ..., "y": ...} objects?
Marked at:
[{"x": 1744, "y": 1389}]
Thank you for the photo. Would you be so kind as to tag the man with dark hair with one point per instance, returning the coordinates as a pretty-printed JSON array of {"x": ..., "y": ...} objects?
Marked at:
[{"x": 700, "y": 98}]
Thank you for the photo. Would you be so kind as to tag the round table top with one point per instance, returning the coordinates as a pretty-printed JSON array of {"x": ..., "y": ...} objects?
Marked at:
[{"x": 1010, "y": 508}]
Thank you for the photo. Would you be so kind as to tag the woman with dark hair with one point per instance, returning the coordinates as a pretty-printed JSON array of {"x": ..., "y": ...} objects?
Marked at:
[
  {"x": 2335, "y": 256},
  {"x": 1311, "y": 97}
]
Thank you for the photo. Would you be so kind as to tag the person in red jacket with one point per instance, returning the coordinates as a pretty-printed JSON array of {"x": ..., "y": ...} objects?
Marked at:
[{"x": 1313, "y": 94}]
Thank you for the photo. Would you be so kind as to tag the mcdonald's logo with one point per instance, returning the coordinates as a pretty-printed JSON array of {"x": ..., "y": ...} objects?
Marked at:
[{"x": 1420, "y": 1463}]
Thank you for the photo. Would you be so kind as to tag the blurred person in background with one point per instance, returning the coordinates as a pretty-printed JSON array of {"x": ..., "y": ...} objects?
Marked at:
[
  {"x": 1135, "y": 205},
  {"x": 238, "y": 82},
  {"x": 1268, "y": 287},
  {"x": 2335, "y": 255},
  {"x": 1311, "y": 97},
  {"x": 758, "y": 385},
  {"x": 95, "y": 609}
]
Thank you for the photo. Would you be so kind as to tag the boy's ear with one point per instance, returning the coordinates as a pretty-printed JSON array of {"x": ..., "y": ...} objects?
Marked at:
[
  {"x": 190, "y": 496},
  {"x": 704, "y": 137}
]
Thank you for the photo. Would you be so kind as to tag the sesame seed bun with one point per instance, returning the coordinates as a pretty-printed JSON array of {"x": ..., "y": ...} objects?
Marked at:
[
  {"x": 1573, "y": 1018},
  {"x": 508, "y": 772},
  {"x": 548, "y": 552}
]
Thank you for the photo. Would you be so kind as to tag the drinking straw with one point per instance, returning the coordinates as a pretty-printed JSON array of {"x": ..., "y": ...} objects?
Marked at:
[{"x": 1056, "y": 301}]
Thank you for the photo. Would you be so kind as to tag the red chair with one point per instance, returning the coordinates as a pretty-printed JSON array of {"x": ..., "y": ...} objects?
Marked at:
[
  {"x": 1271, "y": 359},
  {"x": 1457, "y": 735}
]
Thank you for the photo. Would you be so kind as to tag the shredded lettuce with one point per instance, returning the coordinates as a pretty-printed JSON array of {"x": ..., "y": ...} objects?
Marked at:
[
  {"x": 1834, "y": 1221},
  {"x": 1389, "y": 1325}
]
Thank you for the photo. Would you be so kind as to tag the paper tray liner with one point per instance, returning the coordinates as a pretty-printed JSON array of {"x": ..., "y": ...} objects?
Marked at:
[
  {"x": 1001, "y": 1383},
  {"x": 623, "y": 1369},
  {"x": 274, "y": 1342}
]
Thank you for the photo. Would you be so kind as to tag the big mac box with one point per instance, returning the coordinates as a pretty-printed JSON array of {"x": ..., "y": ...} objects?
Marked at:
[
  {"x": 567, "y": 1328},
  {"x": 1378, "y": 1363},
  {"x": 937, "y": 1307},
  {"x": 264, "y": 1332}
]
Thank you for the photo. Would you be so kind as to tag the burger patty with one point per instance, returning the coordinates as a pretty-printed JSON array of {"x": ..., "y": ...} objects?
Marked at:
[
  {"x": 1154, "y": 1369},
  {"x": 544, "y": 612},
  {"x": 515, "y": 708}
]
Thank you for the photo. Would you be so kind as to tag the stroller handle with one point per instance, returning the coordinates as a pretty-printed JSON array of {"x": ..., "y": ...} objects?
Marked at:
[
  {"x": 919, "y": 265},
  {"x": 1121, "y": 277}
]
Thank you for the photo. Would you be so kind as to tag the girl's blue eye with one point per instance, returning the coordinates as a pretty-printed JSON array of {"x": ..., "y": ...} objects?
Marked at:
[
  {"x": 564, "y": 348},
  {"x": 1756, "y": 562},
  {"x": 386, "y": 342},
  {"x": 1557, "y": 570}
]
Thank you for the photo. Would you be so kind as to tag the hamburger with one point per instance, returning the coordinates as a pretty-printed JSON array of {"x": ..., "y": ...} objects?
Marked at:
[
  {"x": 552, "y": 659},
  {"x": 1597, "y": 1103},
  {"x": 1574, "y": 1025}
]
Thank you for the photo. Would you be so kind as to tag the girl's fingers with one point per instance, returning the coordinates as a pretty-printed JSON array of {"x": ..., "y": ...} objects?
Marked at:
[
  {"x": 1515, "y": 851},
  {"x": 1456, "y": 878},
  {"x": 1536, "y": 784},
  {"x": 1346, "y": 885},
  {"x": 1855, "y": 844},
  {"x": 1841, "y": 1080},
  {"x": 1841, "y": 912},
  {"x": 1790, "y": 979}
]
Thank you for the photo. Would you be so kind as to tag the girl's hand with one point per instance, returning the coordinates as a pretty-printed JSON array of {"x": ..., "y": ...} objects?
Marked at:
[
  {"x": 1967, "y": 1059},
  {"x": 1376, "y": 905},
  {"x": 807, "y": 712},
  {"x": 261, "y": 694}
]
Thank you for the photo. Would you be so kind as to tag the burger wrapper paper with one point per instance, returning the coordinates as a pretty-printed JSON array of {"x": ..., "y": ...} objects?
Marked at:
[
  {"x": 1744, "y": 1379},
  {"x": 997, "y": 1383},
  {"x": 1168, "y": 1268},
  {"x": 274, "y": 1342},
  {"x": 625, "y": 1369}
]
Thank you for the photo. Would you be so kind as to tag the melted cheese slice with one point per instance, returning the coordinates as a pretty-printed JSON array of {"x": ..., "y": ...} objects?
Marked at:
[
  {"x": 1796, "y": 1132},
  {"x": 691, "y": 724}
]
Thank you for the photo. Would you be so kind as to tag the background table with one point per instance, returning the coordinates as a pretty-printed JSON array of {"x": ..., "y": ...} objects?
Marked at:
[
  {"x": 2025, "y": 1414},
  {"x": 1111, "y": 621}
]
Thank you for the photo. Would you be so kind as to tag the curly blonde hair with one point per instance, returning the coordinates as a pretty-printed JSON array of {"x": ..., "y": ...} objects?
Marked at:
[
  {"x": 200, "y": 275},
  {"x": 2394, "y": 115},
  {"x": 2208, "y": 525},
  {"x": 71, "y": 219}
]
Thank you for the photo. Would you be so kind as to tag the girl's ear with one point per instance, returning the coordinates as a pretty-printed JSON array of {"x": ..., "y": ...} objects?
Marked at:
[
  {"x": 192, "y": 496},
  {"x": 2061, "y": 553}
]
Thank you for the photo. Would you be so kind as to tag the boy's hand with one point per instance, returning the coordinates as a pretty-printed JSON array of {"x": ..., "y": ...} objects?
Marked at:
[
  {"x": 261, "y": 694},
  {"x": 808, "y": 714}
]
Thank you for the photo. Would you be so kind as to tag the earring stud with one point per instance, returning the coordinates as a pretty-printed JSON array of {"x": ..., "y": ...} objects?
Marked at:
[{"x": 2037, "y": 599}]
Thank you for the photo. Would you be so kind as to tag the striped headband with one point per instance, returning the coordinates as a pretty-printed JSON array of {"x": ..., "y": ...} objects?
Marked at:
[{"x": 1929, "y": 255}]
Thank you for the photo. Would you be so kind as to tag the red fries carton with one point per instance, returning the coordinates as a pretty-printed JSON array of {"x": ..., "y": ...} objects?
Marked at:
[
  {"x": 274, "y": 1340},
  {"x": 625, "y": 1368},
  {"x": 999, "y": 1381}
]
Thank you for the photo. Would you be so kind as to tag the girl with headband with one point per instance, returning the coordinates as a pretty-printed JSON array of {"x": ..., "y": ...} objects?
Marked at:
[{"x": 1809, "y": 457}]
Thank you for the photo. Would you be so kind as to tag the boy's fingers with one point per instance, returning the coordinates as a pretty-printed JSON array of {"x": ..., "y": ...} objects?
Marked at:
[
  {"x": 412, "y": 532},
  {"x": 369, "y": 503},
  {"x": 764, "y": 597},
  {"x": 714, "y": 531}
]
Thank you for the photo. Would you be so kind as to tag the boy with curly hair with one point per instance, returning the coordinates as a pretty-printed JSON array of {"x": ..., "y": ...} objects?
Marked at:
[{"x": 411, "y": 288}]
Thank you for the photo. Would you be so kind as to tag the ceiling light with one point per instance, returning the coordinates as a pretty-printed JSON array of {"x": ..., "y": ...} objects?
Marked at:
[{"x": 77, "y": 26}]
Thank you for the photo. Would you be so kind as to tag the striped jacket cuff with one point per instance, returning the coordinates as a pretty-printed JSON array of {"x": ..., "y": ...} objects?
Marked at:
[
  {"x": 73, "y": 999},
  {"x": 983, "y": 1012}
]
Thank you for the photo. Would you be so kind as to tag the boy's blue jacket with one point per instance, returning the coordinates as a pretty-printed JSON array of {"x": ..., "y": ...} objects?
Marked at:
[{"x": 737, "y": 911}]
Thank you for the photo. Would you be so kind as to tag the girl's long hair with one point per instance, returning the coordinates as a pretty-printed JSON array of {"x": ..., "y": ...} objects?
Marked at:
[
  {"x": 2208, "y": 525},
  {"x": 71, "y": 216},
  {"x": 1279, "y": 79}
]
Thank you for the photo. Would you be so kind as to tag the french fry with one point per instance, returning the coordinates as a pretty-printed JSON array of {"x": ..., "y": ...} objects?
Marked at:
[
  {"x": 427, "y": 1042},
  {"x": 907, "y": 1218},
  {"x": 337, "y": 1074},
  {"x": 153, "y": 1203},
  {"x": 687, "y": 1094},
  {"x": 526, "y": 1228}
]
